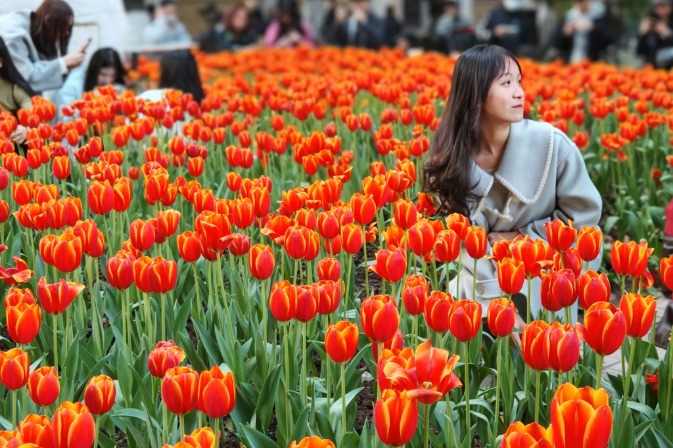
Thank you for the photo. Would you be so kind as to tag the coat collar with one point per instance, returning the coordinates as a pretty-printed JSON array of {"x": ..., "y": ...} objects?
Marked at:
[{"x": 525, "y": 164}]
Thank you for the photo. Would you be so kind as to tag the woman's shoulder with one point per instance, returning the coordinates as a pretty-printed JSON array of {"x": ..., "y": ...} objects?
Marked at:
[
  {"x": 545, "y": 133},
  {"x": 14, "y": 23}
]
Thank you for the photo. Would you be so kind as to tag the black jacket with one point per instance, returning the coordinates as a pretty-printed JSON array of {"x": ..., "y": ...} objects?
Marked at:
[{"x": 367, "y": 35}]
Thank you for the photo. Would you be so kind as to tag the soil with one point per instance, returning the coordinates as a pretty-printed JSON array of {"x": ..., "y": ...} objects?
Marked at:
[
  {"x": 375, "y": 282},
  {"x": 4, "y": 346},
  {"x": 365, "y": 401},
  {"x": 120, "y": 438}
]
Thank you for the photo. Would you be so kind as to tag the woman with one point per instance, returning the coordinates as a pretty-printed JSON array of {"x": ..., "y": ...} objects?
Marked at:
[
  {"x": 178, "y": 72},
  {"x": 235, "y": 32},
  {"x": 104, "y": 68},
  {"x": 585, "y": 32},
  {"x": 287, "y": 31},
  {"x": 15, "y": 93},
  {"x": 508, "y": 174},
  {"x": 655, "y": 35},
  {"x": 38, "y": 42}
]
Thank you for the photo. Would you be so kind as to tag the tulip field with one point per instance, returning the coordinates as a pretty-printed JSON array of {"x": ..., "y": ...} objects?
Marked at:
[{"x": 263, "y": 269}]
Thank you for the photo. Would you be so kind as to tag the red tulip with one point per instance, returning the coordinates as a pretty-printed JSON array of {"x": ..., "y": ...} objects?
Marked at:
[
  {"x": 533, "y": 347},
  {"x": 511, "y": 275},
  {"x": 558, "y": 290},
  {"x": 73, "y": 426},
  {"x": 56, "y": 297},
  {"x": 604, "y": 328},
  {"x": 23, "y": 322},
  {"x": 638, "y": 312},
  {"x": 44, "y": 386},
  {"x": 559, "y": 235},
  {"x": 501, "y": 317},
  {"x": 437, "y": 310},
  {"x": 217, "y": 392},
  {"x": 395, "y": 417},
  {"x": 261, "y": 261},
  {"x": 283, "y": 301},
  {"x": 179, "y": 389},
  {"x": 562, "y": 347},
  {"x": 415, "y": 291},
  {"x": 390, "y": 265},
  {"x": 14, "y": 368},
  {"x": 36, "y": 431},
  {"x": 476, "y": 242},
  {"x": 532, "y": 435},
  {"x": 465, "y": 319},
  {"x": 589, "y": 242},
  {"x": 99, "y": 394},
  {"x": 630, "y": 258},
  {"x": 379, "y": 317},
  {"x": 341, "y": 341},
  {"x": 581, "y": 418},
  {"x": 163, "y": 357},
  {"x": 592, "y": 287}
]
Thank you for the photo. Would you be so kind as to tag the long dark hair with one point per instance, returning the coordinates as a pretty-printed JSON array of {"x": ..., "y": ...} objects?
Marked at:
[
  {"x": 103, "y": 58},
  {"x": 9, "y": 72},
  {"x": 51, "y": 28},
  {"x": 290, "y": 8},
  {"x": 179, "y": 71},
  {"x": 447, "y": 172}
]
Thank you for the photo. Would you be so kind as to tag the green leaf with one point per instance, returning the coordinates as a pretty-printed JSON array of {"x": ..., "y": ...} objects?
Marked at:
[
  {"x": 256, "y": 439},
  {"x": 300, "y": 429},
  {"x": 264, "y": 401},
  {"x": 335, "y": 409}
]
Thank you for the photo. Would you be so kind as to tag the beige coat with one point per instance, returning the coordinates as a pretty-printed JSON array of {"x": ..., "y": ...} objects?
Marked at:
[{"x": 541, "y": 177}]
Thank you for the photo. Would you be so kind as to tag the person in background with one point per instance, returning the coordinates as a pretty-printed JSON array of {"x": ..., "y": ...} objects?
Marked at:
[
  {"x": 452, "y": 33},
  {"x": 257, "y": 21},
  {"x": 512, "y": 26},
  {"x": 105, "y": 67},
  {"x": 233, "y": 32},
  {"x": 38, "y": 42},
  {"x": 393, "y": 30},
  {"x": 584, "y": 32},
  {"x": 288, "y": 30},
  {"x": 337, "y": 13},
  {"x": 179, "y": 71},
  {"x": 655, "y": 35},
  {"x": 15, "y": 93},
  {"x": 165, "y": 28},
  {"x": 362, "y": 28}
]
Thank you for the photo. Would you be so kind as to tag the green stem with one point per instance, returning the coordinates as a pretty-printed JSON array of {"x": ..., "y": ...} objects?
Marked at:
[
  {"x": 497, "y": 387},
  {"x": 162, "y": 300},
  {"x": 599, "y": 370},
  {"x": 286, "y": 349},
  {"x": 327, "y": 367},
  {"x": 164, "y": 421},
  {"x": 230, "y": 323},
  {"x": 96, "y": 430},
  {"x": 264, "y": 305},
  {"x": 14, "y": 400},
  {"x": 364, "y": 249},
  {"x": 474, "y": 280},
  {"x": 426, "y": 424},
  {"x": 343, "y": 401},
  {"x": 528, "y": 302},
  {"x": 54, "y": 329},
  {"x": 627, "y": 379},
  {"x": 567, "y": 313},
  {"x": 303, "y": 365},
  {"x": 216, "y": 430},
  {"x": 537, "y": 396},
  {"x": 182, "y": 426},
  {"x": 468, "y": 424}
]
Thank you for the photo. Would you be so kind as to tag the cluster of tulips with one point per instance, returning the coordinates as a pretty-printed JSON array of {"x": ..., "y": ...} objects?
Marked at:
[{"x": 258, "y": 234}]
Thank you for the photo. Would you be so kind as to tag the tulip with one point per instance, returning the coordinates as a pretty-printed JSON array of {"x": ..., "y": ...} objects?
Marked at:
[
  {"x": 189, "y": 246},
  {"x": 66, "y": 252},
  {"x": 559, "y": 235},
  {"x": 532, "y": 435},
  {"x": 415, "y": 291},
  {"x": 476, "y": 242},
  {"x": 533, "y": 339},
  {"x": 604, "y": 328},
  {"x": 341, "y": 341},
  {"x": 312, "y": 442},
  {"x": 142, "y": 234},
  {"x": 261, "y": 261},
  {"x": 217, "y": 393},
  {"x": 405, "y": 214},
  {"x": 99, "y": 394},
  {"x": 437, "y": 309},
  {"x": 329, "y": 269},
  {"x": 60, "y": 167},
  {"x": 392, "y": 344},
  {"x": 37, "y": 430},
  {"x": 352, "y": 238},
  {"x": 638, "y": 312},
  {"x": 179, "y": 390},
  {"x": 511, "y": 275},
  {"x": 330, "y": 296},
  {"x": 630, "y": 258},
  {"x": 44, "y": 386},
  {"x": 100, "y": 197},
  {"x": 119, "y": 270},
  {"x": 434, "y": 373},
  {"x": 14, "y": 369},
  {"x": 589, "y": 242},
  {"x": 56, "y": 297},
  {"x": 328, "y": 225},
  {"x": 202, "y": 438},
  {"x": 283, "y": 301},
  {"x": 447, "y": 246},
  {"x": 162, "y": 275},
  {"x": 308, "y": 297},
  {"x": 568, "y": 259},
  {"x": 562, "y": 347},
  {"x": 73, "y": 426},
  {"x": 163, "y": 357},
  {"x": 501, "y": 317},
  {"x": 558, "y": 290},
  {"x": 465, "y": 319},
  {"x": 666, "y": 271},
  {"x": 458, "y": 223},
  {"x": 533, "y": 254},
  {"x": 364, "y": 208},
  {"x": 421, "y": 237},
  {"x": 592, "y": 287},
  {"x": 23, "y": 322},
  {"x": 390, "y": 265},
  {"x": 379, "y": 317},
  {"x": 395, "y": 417},
  {"x": 581, "y": 418},
  {"x": 17, "y": 295}
]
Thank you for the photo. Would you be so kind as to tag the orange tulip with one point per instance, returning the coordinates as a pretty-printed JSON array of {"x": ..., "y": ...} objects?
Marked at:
[
  {"x": 589, "y": 242},
  {"x": 434, "y": 373},
  {"x": 261, "y": 261},
  {"x": 533, "y": 435},
  {"x": 476, "y": 242},
  {"x": 639, "y": 313},
  {"x": 56, "y": 297},
  {"x": 14, "y": 368},
  {"x": 558, "y": 290},
  {"x": 341, "y": 341},
  {"x": 437, "y": 309},
  {"x": 562, "y": 347},
  {"x": 44, "y": 386},
  {"x": 511, "y": 275},
  {"x": 308, "y": 297},
  {"x": 283, "y": 301},
  {"x": 179, "y": 390},
  {"x": 66, "y": 252},
  {"x": 390, "y": 265},
  {"x": 217, "y": 392},
  {"x": 162, "y": 275},
  {"x": 533, "y": 339},
  {"x": 352, "y": 238},
  {"x": 37, "y": 430},
  {"x": 189, "y": 246},
  {"x": 395, "y": 417},
  {"x": 330, "y": 295},
  {"x": 163, "y": 357},
  {"x": 421, "y": 237},
  {"x": 364, "y": 208},
  {"x": 666, "y": 271},
  {"x": 446, "y": 246},
  {"x": 630, "y": 258},
  {"x": 559, "y": 235},
  {"x": 592, "y": 287},
  {"x": 465, "y": 319},
  {"x": 329, "y": 268},
  {"x": 415, "y": 291},
  {"x": 17, "y": 295},
  {"x": 312, "y": 442},
  {"x": 501, "y": 317},
  {"x": 99, "y": 394},
  {"x": 581, "y": 418},
  {"x": 142, "y": 234},
  {"x": 379, "y": 317},
  {"x": 604, "y": 328},
  {"x": 100, "y": 197},
  {"x": 119, "y": 270},
  {"x": 23, "y": 322},
  {"x": 405, "y": 214},
  {"x": 73, "y": 426}
]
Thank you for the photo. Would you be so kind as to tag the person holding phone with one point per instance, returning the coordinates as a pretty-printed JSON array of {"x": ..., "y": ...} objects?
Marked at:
[
  {"x": 38, "y": 42},
  {"x": 655, "y": 35}
]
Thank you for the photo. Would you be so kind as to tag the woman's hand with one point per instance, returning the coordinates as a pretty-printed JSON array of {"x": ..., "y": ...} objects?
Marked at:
[
  {"x": 19, "y": 135},
  {"x": 497, "y": 236}
]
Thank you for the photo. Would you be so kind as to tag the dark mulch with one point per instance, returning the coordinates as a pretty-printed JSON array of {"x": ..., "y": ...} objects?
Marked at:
[
  {"x": 365, "y": 401},
  {"x": 4, "y": 345},
  {"x": 120, "y": 438}
]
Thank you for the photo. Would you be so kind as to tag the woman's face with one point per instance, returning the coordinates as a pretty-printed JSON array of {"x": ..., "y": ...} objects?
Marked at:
[
  {"x": 106, "y": 75},
  {"x": 240, "y": 20},
  {"x": 663, "y": 10},
  {"x": 504, "y": 102}
]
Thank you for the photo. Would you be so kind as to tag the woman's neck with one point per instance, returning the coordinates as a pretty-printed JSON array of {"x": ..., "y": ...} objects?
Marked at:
[{"x": 493, "y": 139}]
